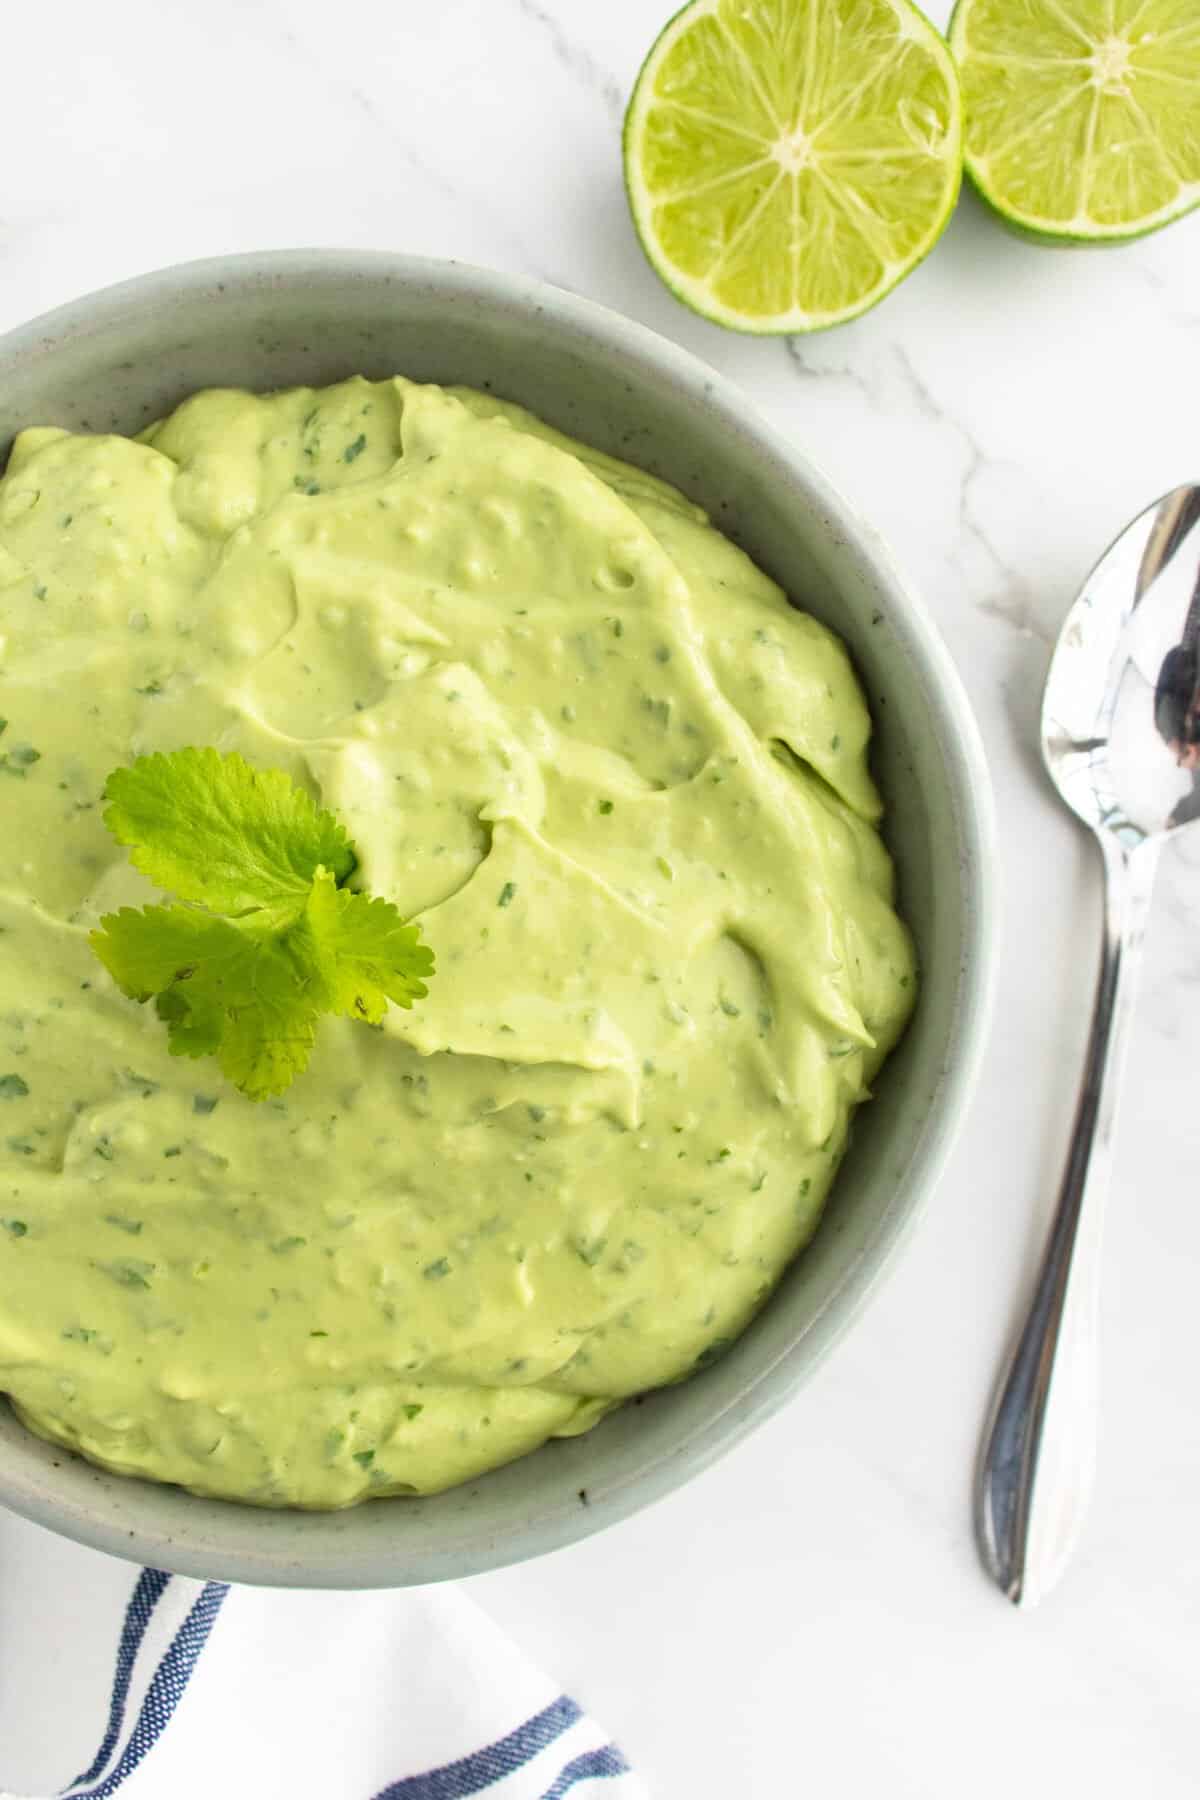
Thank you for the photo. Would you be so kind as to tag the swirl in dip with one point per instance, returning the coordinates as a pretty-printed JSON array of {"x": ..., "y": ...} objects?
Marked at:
[{"x": 622, "y": 782}]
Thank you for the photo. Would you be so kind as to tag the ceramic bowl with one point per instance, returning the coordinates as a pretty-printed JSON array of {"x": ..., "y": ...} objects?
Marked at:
[{"x": 117, "y": 359}]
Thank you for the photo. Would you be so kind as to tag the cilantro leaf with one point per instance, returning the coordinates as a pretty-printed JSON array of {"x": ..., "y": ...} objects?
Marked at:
[
  {"x": 277, "y": 942},
  {"x": 146, "y": 951},
  {"x": 211, "y": 828},
  {"x": 362, "y": 952},
  {"x": 268, "y": 1037}
]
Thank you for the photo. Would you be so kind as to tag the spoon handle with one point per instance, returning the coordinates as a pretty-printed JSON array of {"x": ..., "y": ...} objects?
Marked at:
[{"x": 1035, "y": 1475}]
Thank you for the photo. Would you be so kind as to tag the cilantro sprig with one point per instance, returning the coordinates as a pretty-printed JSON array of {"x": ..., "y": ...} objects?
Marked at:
[{"x": 268, "y": 937}]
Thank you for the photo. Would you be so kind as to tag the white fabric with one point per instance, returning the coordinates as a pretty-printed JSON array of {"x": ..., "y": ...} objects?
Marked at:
[{"x": 162, "y": 1688}]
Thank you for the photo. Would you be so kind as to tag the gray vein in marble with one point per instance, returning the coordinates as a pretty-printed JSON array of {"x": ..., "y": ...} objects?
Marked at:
[
  {"x": 1012, "y": 597},
  {"x": 1013, "y": 600},
  {"x": 834, "y": 372},
  {"x": 1186, "y": 318},
  {"x": 575, "y": 59},
  {"x": 362, "y": 101},
  {"x": 922, "y": 396},
  {"x": 381, "y": 119}
]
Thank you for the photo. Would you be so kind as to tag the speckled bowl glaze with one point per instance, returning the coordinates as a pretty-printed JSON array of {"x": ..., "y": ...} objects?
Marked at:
[{"x": 119, "y": 358}]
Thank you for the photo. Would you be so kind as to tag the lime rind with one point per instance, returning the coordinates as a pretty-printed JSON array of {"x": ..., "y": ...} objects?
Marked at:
[
  {"x": 931, "y": 113},
  {"x": 1039, "y": 61}
]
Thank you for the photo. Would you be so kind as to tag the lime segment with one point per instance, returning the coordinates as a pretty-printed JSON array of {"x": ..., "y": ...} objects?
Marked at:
[
  {"x": 789, "y": 161},
  {"x": 1083, "y": 116}
]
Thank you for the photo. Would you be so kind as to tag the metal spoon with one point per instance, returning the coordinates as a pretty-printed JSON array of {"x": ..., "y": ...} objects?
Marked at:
[{"x": 1121, "y": 741}]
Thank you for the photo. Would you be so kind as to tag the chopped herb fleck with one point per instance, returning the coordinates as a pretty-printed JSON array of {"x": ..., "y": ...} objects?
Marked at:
[
  {"x": 356, "y": 448},
  {"x": 12, "y": 1087},
  {"x": 412, "y": 1410},
  {"x": 606, "y": 806},
  {"x": 204, "y": 1103},
  {"x": 282, "y": 1245},
  {"x": 132, "y": 1226},
  {"x": 173, "y": 1150},
  {"x": 435, "y": 1270},
  {"x": 19, "y": 760},
  {"x": 128, "y": 1272},
  {"x": 16, "y": 1228},
  {"x": 506, "y": 893},
  {"x": 364, "y": 1458},
  {"x": 104, "y": 1149}
]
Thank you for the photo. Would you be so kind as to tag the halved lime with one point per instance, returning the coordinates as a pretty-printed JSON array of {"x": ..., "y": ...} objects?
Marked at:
[
  {"x": 1083, "y": 116},
  {"x": 789, "y": 161}
]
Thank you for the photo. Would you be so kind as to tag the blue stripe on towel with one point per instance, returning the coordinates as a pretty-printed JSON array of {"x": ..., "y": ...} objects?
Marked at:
[
  {"x": 166, "y": 1689},
  {"x": 472, "y": 1773},
  {"x": 589, "y": 1767},
  {"x": 147, "y": 1592}
]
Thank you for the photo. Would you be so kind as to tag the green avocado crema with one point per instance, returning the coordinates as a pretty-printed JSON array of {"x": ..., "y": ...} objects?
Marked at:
[{"x": 622, "y": 782}]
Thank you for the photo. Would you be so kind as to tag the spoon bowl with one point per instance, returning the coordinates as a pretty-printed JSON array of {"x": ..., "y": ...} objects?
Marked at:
[{"x": 1124, "y": 677}]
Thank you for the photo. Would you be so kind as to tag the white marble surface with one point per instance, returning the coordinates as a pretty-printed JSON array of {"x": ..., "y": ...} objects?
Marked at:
[{"x": 809, "y": 1613}]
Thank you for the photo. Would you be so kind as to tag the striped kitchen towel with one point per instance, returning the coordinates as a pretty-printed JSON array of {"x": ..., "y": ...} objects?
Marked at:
[{"x": 156, "y": 1687}]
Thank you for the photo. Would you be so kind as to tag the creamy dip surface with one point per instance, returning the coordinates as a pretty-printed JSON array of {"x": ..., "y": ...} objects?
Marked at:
[{"x": 622, "y": 783}]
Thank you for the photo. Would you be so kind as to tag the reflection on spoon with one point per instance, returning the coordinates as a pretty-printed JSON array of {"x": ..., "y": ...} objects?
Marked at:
[{"x": 1177, "y": 693}]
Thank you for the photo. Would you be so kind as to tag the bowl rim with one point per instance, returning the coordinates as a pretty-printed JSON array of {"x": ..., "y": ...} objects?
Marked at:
[{"x": 647, "y": 353}]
